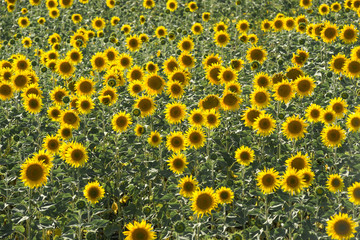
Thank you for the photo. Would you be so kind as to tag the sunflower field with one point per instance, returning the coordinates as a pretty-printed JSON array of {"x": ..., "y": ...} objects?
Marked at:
[{"x": 177, "y": 119}]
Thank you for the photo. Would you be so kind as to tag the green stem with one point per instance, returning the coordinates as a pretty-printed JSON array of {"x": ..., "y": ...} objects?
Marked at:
[
  {"x": 28, "y": 221},
  {"x": 266, "y": 217}
]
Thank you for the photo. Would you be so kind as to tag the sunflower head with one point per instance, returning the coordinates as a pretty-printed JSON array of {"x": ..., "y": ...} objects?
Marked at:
[
  {"x": 204, "y": 201},
  {"x": 244, "y": 155},
  {"x": 341, "y": 226},
  {"x": 94, "y": 192},
  {"x": 268, "y": 180}
]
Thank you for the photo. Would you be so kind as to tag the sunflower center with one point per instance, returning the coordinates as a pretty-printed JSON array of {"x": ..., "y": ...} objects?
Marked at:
[
  {"x": 188, "y": 187},
  {"x": 333, "y": 135},
  {"x": 222, "y": 38},
  {"x": 295, "y": 127},
  {"x": 335, "y": 182},
  {"x": 176, "y": 142},
  {"x": 342, "y": 228},
  {"x": 20, "y": 81},
  {"x": 211, "y": 119},
  {"x": 136, "y": 88},
  {"x": 44, "y": 159},
  {"x": 293, "y": 181},
  {"x": 70, "y": 118},
  {"x": 140, "y": 234},
  {"x": 93, "y": 192},
  {"x": 172, "y": 5},
  {"x": 268, "y": 180},
  {"x": 330, "y": 33},
  {"x": 59, "y": 96},
  {"x": 290, "y": 23},
  {"x": 7, "y": 76},
  {"x": 338, "y": 107},
  {"x": 264, "y": 124},
  {"x": 304, "y": 85},
  {"x": 260, "y": 97},
  {"x": 262, "y": 81},
  {"x": 33, "y": 103},
  {"x": 77, "y": 155},
  {"x": 230, "y": 100},
  {"x": 154, "y": 139},
  {"x": 328, "y": 117},
  {"x": 98, "y": 23},
  {"x": 179, "y": 76},
  {"x": 85, "y": 87},
  {"x": 5, "y": 90},
  {"x": 284, "y": 91},
  {"x": 228, "y": 76},
  {"x": 85, "y": 105},
  {"x": 210, "y": 102},
  {"x": 99, "y": 62},
  {"x": 349, "y": 34},
  {"x": 121, "y": 121},
  {"x": 354, "y": 67},
  {"x": 324, "y": 9},
  {"x": 66, "y": 132},
  {"x": 211, "y": 61},
  {"x": 178, "y": 163},
  {"x": 75, "y": 56},
  {"x": 256, "y": 54},
  {"x": 220, "y": 28},
  {"x": 298, "y": 163},
  {"x": 110, "y": 93},
  {"x": 252, "y": 115},
  {"x": 161, "y": 32},
  {"x": 355, "y": 122},
  {"x": 224, "y": 195},
  {"x": 294, "y": 74},
  {"x": 195, "y": 137},
  {"x": 65, "y": 67},
  {"x": 186, "y": 45},
  {"x": 214, "y": 74},
  {"x": 175, "y": 112},
  {"x": 133, "y": 43},
  {"x": 175, "y": 89},
  {"x": 53, "y": 144},
  {"x": 136, "y": 75},
  {"x": 204, "y": 201},
  {"x": 171, "y": 66},
  {"x": 234, "y": 89},
  {"x": 187, "y": 60},
  {"x": 315, "y": 113},
  {"x": 34, "y": 172},
  {"x": 278, "y": 24},
  {"x": 151, "y": 67},
  {"x": 155, "y": 82},
  {"x": 197, "y": 29},
  {"x": 144, "y": 105},
  {"x": 245, "y": 156},
  {"x": 55, "y": 113},
  {"x": 356, "y": 193}
]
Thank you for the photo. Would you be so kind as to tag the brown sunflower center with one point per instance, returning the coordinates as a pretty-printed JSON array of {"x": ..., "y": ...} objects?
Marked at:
[
  {"x": 228, "y": 76},
  {"x": 224, "y": 195},
  {"x": 70, "y": 118},
  {"x": 355, "y": 122},
  {"x": 304, "y": 85},
  {"x": 342, "y": 228},
  {"x": 187, "y": 60},
  {"x": 85, "y": 105},
  {"x": 349, "y": 34},
  {"x": 93, "y": 192},
  {"x": 268, "y": 180},
  {"x": 99, "y": 62},
  {"x": 295, "y": 127},
  {"x": 315, "y": 113},
  {"x": 171, "y": 66},
  {"x": 294, "y": 73},
  {"x": 5, "y": 90},
  {"x": 98, "y": 23},
  {"x": 211, "y": 119},
  {"x": 188, "y": 187},
  {"x": 176, "y": 142},
  {"x": 75, "y": 56},
  {"x": 298, "y": 163},
  {"x": 20, "y": 80},
  {"x": 175, "y": 89},
  {"x": 284, "y": 91},
  {"x": 356, "y": 193},
  {"x": 204, "y": 201},
  {"x": 121, "y": 121},
  {"x": 133, "y": 43},
  {"x": 338, "y": 107},
  {"x": 278, "y": 24},
  {"x": 330, "y": 33},
  {"x": 264, "y": 124},
  {"x": 195, "y": 137},
  {"x": 136, "y": 88},
  {"x": 335, "y": 182},
  {"x": 260, "y": 97},
  {"x": 44, "y": 159},
  {"x": 179, "y": 76},
  {"x": 77, "y": 155},
  {"x": 244, "y": 156},
  {"x": 136, "y": 74},
  {"x": 354, "y": 67},
  {"x": 333, "y": 135},
  {"x": 222, "y": 38},
  {"x": 230, "y": 100},
  {"x": 178, "y": 163},
  {"x": 186, "y": 45},
  {"x": 214, "y": 74},
  {"x": 33, "y": 103},
  {"x": 53, "y": 144},
  {"x": 144, "y": 105},
  {"x": 256, "y": 54},
  {"x": 65, "y": 67},
  {"x": 293, "y": 181},
  {"x": 252, "y": 115},
  {"x": 155, "y": 83},
  {"x": 59, "y": 96},
  {"x": 85, "y": 87},
  {"x": 155, "y": 139},
  {"x": 34, "y": 172},
  {"x": 175, "y": 112}
]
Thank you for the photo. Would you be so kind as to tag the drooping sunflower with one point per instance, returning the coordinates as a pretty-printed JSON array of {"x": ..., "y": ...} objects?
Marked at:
[
  {"x": 354, "y": 193},
  {"x": 33, "y": 103},
  {"x": 94, "y": 192},
  {"x": 70, "y": 118},
  {"x": 176, "y": 142},
  {"x": 195, "y": 137},
  {"x": 188, "y": 185},
  {"x": 154, "y": 139},
  {"x": 249, "y": 116},
  {"x": 341, "y": 226},
  {"x": 334, "y": 183},
  {"x": 304, "y": 85},
  {"x": 264, "y": 124},
  {"x": 244, "y": 155},
  {"x": 332, "y": 136},
  {"x": 212, "y": 119},
  {"x": 146, "y": 105},
  {"x": 314, "y": 113},
  {"x": 121, "y": 121},
  {"x": 294, "y": 127},
  {"x": 34, "y": 173},
  {"x": 76, "y": 155},
  {"x": 230, "y": 101},
  {"x": 186, "y": 60},
  {"x": 225, "y": 195},
  {"x": 177, "y": 163},
  {"x": 298, "y": 161},
  {"x": 204, "y": 201},
  {"x": 109, "y": 92},
  {"x": 210, "y": 102},
  {"x": 338, "y": 105},
  {"x": 268, "y": 180},
  {"x": 51, "y": 144},
  {"x": 308, "y": 176},
  {"x": 213, "y": 73},
  {"x": 353, "y": 122},
  {"x": 284, "y": 91},
  {"x": 64, "y": 68},
  {"x": 260, "y": 98},
  {"x": 256, "y": 54},
  {"x": 348, "y": 34},
  {"x": 292, "y": 181}
]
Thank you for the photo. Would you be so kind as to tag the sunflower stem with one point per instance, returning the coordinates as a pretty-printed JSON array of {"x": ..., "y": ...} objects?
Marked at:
[
  {"x": 79, "y": 231},
  {"x": 335, "y": 159},
  {"x": 266, "y": 217},
  {"x": 28, "y": 221},
  {"x": 197, "y": 227},
  {"x": 290, "y": 217}
]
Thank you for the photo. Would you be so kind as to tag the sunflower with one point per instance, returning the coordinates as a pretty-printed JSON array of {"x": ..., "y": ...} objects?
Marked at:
[
  {"x": 171, "y": 5},
  {"x": 84, "y": 104},
  {"x": 294, "y": 127},
  {"x": 51, "y": 144},
  {"x": 139, "y": 130},
  {"x": 98, "y": 23},
  {"x": 230, "y": 101},
  {"x": 352, "y": 122},
  {"x": 220, "y": 26},
  {"x": 324, "y": 9},
  {"x": 188, "y": 185},
  {"x": 23, "y": 22},
  {"x": 110, "y": 3},
  {"x": 35, "y": 2},
  {"x": 99, "y": 62},
  {"x": 237, "y": 64},
  {"x": 139, "y": 230},
  {"x": 244, "y": 155},
  {"x": 292, "y": 181},
  {"x": 262, "y": 80},
  {"x": 307, "y": 176},
  {"x": 33, "y": 104},
  {"x": 186, "y": 44},
  {"x": 175, "y": 112},
  {"x": 110, "y": 93},
  {"x": 266, "y": 25},
  {"x": 33, "y": 173},
  {"x": 268, "y": 180},
  {"x": 94, "y": 192},
  {"x": 337, "y": 63},
  {"x": 278, "y": 24},
  {"x": 305, "y": 3},
  {"x": 227, "y": 75},
  {"x": 332, "y": 136},
  {"x": 328, "y": 116},
  {"x": 135, "y": 87},
  {"x": 75, "y": 56},
  {"x": 154, "y": 139},
  {"x": 211, "y": 59},
  {"x": 154, "y": 84},
  {"x": 57, "y": 95},
  {"x": 197, "y": 28},
  {"x": 329, "y": 33},
  {"x": 284, "y": 91},
  {"x": 192, "y": 6},
  {"x": 298, "y": 161},
  {"x": 170, "y": 65},
  {"x": 45, "y": 158},
  {"x": 234, "y": 87},
  {"x": 242, "y": 26},
  {"x": 176, "y": 142},
  {"x": 160, "y": 32},
  {"x": 338, "y": 105},
  {"x": 348, "y": 34},
  {"x": 133, "y": 43},
  {"x": 65, "y": 3},
  {"x": 174, "y": 89},
  {"x": 70, "y": 118},
  {"x": 204, "y": 201},
  {"x": 146, "y": 105},
  {"x": 299, "y": 59},
  {"x": 148, "y": 4},
  {"x": 21, "y": 64},
  {"x": 125, "y": 60},
  {"x": 181, "y": 76},
  {"x": 177, "y": 163},
  {"x": 313, "y": 113},
  {"x": 213, "y": 73},
  {"x": 6, "y": 91},
  {"x": 26, "y": 42},
  {"x": 196, "y": 118},
  {"x": 206, "y": 16},
  {"x": 64, "y": 68},
  {"x": 135, "y": 73},
  {"x": 264, "y": 124},
  {"x": 85, "y": 86},
  {"x": 352, "y": 68},
  {"x": 212, "y": 119},
  {"x": 256, "y": 54},
  {"x": 5, "y": 74},
  {"x": 225, "y": 195},
  {"x": 76, "y": 18},
  {"x": 151, "y": 67},
  {"x": 186, "y": 60},
  {"x": 54, "y": 113},
  {"x": 54, "y": 13},
  {"x": 249, "y": 115},
  {"x": 304, "y": 85},
  {"x": 221, "y": 38},
  {"x": 121, "y": 121},
  {"x": 335, "y": 7},
  {"x": 354, "y": 193},
  {"x": 114, "y": 21},
  {"x": 294, "y": 72},
  {"x": 75, "y": 155},
  {"x": 260, "y": 98},
  {"x": 65, "y": 132},
  {"x": 195, "y": 137},
  {"x": 335, "y": 183},
  {"x": 341, "y": 226}
]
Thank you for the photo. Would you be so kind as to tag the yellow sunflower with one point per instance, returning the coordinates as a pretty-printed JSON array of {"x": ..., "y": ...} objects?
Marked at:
[
  {"x": 351, "y": 68},
  {"x": 133, "y": 43},
  {"x": 99, "y": 62},
  {"x": 294, "y": 127},
  {"x": 76, "y": 155},
  {"x": 353, "y": 122},
  {"x": 195, "y": 138},
  {"x": 313, "y": 113},
  {"x": 6, "y": 91},
  {"x": 121, "y": 121},
  {"x": 33, "y": 104},
  {"x": 154, "y": 84},
  {"x": 329, "y": 32},
  {"x": 170, "y": 65},
  {"x": 51, "y": 144},
  {"x": 354, "y": 193},
  {"x": 244, "y": 155},
  {"x": 176, "y": 142},
  {"x": 230, "y": 101},
  {"x": 140, "y": 230},
  {"x": 186, "y": 44},
  {"x": 204, "y": 201},
  {"x": 65, "y": 132},
  {"x": 34, "y": 173},
  {"x": 85, "y": 86},
  {"x": 332, "y": 136},
  {"x": 84, "y": 104},
  {"x": 341, "y": 226},
  {"x": 54, "y": 113},
  {"x": 292, "y": 181},
  {"x": 221, "y": 38},
  {"x": 186, "y": 60},
  {"x": 264, "y": 124},
  {"x": 249, "y": 116},
  {"x": 146, "y": 105},
  {"x": 212, "y": 119},
  {"x": 110, "y": 93},
  {"x": 308, "y": 176},
  {"x": 298, "y": 161},
  {"x": 348, "y": 34},
  {"x": 213, "y": 73},
  {"x": 98, "y": 23},
  {"x": 70, "y": 118},
  {"x": 160, "y": 32},
  {"x": 148, "y": 4},
  {"x": 225, "y": 195},
  {"x": 175, "y": 112},
  {"x": 94, "y": 192},
  {"x": 260, "y": 98},
  {"x": 177, "y": 163},
  {"x": 304, "y": 85},
  {"x": 188, "y": 185},
  {"x": 338, "y": 105},
  {"x": 211, "y": 59},
  {"x": 268, "y": 180},
  {"x": 154, "y": 139},
  {"x": 334, "y": 183},
  {"x": 174, "y": 89},
  {"x": 196, "y": 118},
  {"x": 284, "y": 91},
  {"x": 256, "y": 54}
]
